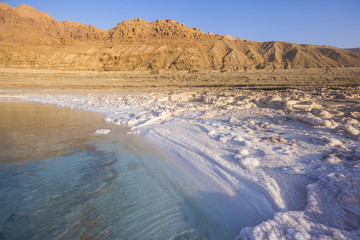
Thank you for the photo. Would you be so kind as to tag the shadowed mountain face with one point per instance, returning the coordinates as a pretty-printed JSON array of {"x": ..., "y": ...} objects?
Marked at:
[
  {"x": 33, "y": 39},
  {"x": 354, "y": 50}
]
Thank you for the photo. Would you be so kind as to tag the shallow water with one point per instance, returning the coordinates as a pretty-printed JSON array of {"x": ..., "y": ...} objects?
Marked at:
[{"x": 60, "y": 180}]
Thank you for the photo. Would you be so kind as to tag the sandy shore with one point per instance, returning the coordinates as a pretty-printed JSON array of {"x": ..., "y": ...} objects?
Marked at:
[
  {"x": 111, "y": 80},
  {"x": 293, "y": 154}
]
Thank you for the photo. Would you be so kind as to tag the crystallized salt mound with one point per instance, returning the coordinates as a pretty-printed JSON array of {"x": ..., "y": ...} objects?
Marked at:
[
  {"x": 181, "y": 97},
  {"x": 321, "y": 113},
  {"x": 241, "y": 153},
  {"x": 249, "y": 162},
  {"x": 333, "y": 142},
  {"x": 247, "y": 143},
  {"x": 350, "y": 200},
  {"x": 351, "y": 121},
  {"x": 333, "y": 159},
  {"x": 351, "y": 130},
  {"x": 234, "y": 121},
  {"x": 334, "y": 200},
  {"x": 312, "y": 120},
  {"x": 212, "y": 133},
  {"x": 283, "y": 103},
  {"x": 102, "y": 131},
  {"x": 109, "y": 119},
  {"x": 225, "y": 137},
  {"x": 239, "y": 139},
  {"x": 332, "y": 213},
  {"x": 328, "y": 141},
  {"x": 294, "y": 225}
]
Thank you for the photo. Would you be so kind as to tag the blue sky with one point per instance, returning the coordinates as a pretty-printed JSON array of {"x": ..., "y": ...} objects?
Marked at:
[{"x": 322, "y": 22}]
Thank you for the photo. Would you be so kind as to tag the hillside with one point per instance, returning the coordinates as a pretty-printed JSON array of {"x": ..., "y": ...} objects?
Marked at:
[{"x": 33, "y": 39}]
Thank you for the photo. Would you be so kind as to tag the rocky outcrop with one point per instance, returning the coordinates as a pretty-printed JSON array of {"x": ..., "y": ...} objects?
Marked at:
[
  {"x": 28, "y": 25},
  {"x": 33, "y": 39},
  {"x": 160, "y": 29}
]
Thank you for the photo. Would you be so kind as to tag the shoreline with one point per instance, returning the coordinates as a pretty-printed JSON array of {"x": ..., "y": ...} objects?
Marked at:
[
  {"x": 11, "y": 78},
  {"x": 287, "y": 144}
]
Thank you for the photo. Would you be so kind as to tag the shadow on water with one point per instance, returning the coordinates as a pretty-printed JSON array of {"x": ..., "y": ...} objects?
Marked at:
[{"x": 218, "y": 216}]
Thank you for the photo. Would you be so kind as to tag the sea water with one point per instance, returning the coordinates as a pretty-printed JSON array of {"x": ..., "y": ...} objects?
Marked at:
[{"x": 61, "y": 180}]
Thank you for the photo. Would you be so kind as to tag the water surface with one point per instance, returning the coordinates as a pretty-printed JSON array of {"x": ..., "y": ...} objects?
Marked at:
[{"x": 59, "y": 180}]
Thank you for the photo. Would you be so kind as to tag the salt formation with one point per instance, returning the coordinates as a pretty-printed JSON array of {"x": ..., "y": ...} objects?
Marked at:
[
  {"x": 293, "y": 153},
  {"x": 332, "y": 213},
  {"x": 249, "y": 162},
  {"x": 102, "y": 131}
]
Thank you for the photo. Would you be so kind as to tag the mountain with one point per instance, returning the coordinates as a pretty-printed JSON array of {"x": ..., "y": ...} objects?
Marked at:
[
  {"x": 33, "y": 39},
  {"x": 354, "y": 50},
  {"x": 27, "y": 25}
]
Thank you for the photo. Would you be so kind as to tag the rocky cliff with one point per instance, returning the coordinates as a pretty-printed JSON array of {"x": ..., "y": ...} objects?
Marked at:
[{"x": 33, "y": 39}]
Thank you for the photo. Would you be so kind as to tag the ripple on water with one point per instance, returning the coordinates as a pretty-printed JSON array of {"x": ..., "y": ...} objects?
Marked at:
[{"x": 69, "y": 183}]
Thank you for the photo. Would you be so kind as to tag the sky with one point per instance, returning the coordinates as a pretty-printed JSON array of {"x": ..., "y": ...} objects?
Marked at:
[{"x": 321, "y": 22}]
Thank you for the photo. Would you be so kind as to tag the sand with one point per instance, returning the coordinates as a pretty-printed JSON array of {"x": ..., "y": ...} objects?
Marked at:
[{"x": 154, "y": 80}]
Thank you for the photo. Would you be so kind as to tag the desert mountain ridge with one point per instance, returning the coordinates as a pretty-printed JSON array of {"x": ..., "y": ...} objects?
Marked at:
[
  {"x": 33, "y": 39},
  {"x": 354, "y": 50}
]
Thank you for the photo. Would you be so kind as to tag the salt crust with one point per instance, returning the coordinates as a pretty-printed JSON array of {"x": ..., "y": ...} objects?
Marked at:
[
  {"x": 102, "y": 131},
  {"x": 245, "y": 139}
]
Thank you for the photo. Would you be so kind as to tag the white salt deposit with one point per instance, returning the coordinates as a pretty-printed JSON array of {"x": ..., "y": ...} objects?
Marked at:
[
  {"x": 262, "y": 146},
  {"x": 351, "y": 130},
  {"x": 243, "y": 152},
  {"x": 249, "y": 162},
  {"x": 102, "y": 131}
]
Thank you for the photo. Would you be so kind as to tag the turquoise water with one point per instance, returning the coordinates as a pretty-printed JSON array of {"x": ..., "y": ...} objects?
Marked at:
[{"x": 59, "y": 180}]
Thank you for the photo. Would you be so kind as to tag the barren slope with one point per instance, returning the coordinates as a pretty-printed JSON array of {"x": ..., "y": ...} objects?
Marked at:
[{"x": 33, "y": 39}]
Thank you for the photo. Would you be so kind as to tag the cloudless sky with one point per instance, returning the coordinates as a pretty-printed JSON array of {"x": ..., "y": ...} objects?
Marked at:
[{"x": 321, "y": 22}]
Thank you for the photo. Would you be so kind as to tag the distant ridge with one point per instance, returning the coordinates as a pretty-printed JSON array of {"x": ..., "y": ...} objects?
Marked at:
[
  {"x": 33, "y": 39},
  {"x": 354, "y": 50}
]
